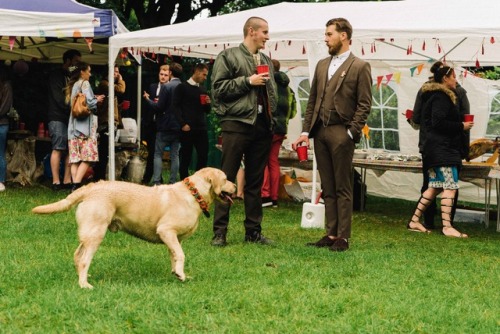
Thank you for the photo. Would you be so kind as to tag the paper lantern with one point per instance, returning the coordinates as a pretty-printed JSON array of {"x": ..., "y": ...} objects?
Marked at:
[{"x": 20, "y": 67}]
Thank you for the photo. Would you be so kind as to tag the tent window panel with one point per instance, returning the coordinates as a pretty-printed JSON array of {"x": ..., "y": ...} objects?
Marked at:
[
  {"x": 383, "y": 118},
  {"x": 303, "y": 95},
  {"x": 493, "y": 129}
]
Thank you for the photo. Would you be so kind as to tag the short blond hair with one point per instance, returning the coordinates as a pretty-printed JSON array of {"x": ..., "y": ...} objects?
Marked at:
[{"x": 252, "y": 22}]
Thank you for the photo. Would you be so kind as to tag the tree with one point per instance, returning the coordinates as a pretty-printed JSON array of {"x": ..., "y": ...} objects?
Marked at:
[{"x": 143, "y": 14}]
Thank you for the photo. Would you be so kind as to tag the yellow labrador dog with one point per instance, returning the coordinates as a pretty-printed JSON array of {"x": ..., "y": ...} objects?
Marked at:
[{"x": 166, "y": 213}]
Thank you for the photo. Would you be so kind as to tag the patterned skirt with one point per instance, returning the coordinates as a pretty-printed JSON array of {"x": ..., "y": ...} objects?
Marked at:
[
  {"x": 83, "y": 149},
  {"x": 443, "y": 177}
]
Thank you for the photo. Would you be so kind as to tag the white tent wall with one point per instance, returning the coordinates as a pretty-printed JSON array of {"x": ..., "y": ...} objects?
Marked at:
[{"x": 386, "y": 32}]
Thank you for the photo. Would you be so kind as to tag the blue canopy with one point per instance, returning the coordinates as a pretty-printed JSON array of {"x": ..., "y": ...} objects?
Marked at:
[{"x": 45, "y": 29}]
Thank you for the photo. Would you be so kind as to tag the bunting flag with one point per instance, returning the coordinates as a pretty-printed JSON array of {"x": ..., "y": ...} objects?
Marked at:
[
  {"x": 465, "y": 73},
  {"x": 388, "y": 77},
  {"x": 366, "y": 131},
  {"x": 89, "y": 41},
  {"x": 289, "y": 43},
  {"x": 12, "y": 40},
  {"x": 477, "y": 63},
  {"x": 397, "y": 77},
  {"x": 423, "y": 46},
  {"x": 189, "y": 49},
  {"x": 419, "y": 68},
  {"x": 492, "y": 40},
  {"x": 276, "y": 47},
  {"x": 482, "y": 49},
  {"x": 303, "y": 50},
  {"x": 362, "y": 50},
  {"x": 412, "y": 70},
  {"x": 379, "y": 80},
  {"x": 77, "y": 34},
  {"x": 374, "y": 47}
]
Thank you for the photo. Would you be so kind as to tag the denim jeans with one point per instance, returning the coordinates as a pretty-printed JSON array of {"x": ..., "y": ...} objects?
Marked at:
[
  {"x": 4, "y": 128},
  {"x": 164, "y": 139}
]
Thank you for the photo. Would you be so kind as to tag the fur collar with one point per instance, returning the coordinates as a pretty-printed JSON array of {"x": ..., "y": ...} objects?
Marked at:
[{"x": 437, "y": 87}]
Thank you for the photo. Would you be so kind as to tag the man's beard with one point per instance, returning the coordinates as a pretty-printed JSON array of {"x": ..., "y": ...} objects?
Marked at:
[{"x": 335, "y": 48}]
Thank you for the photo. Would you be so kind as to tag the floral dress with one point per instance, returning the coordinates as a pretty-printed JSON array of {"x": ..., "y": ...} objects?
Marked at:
[{"x": 82, "y": 133}]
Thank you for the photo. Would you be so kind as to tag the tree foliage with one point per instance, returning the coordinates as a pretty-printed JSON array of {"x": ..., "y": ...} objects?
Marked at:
[{"x": 143, "y": 14}]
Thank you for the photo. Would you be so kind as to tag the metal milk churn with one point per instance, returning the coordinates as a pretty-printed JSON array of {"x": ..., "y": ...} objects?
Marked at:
[{"x": 136, "y": 168}]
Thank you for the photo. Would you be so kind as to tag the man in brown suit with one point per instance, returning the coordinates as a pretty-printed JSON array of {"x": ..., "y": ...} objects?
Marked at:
[{"x": 339, "y": 104}]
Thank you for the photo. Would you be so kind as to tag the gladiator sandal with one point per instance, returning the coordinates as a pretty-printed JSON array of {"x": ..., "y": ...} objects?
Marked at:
[
  {"x": 421, "y": 206},
  {"x": 446, "y": 219}
]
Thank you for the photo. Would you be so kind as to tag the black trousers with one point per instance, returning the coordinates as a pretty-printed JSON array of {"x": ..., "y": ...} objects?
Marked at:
[
  {"x": 254, "y": 143},
  {"x": 149, "y": 135},
  {"x": 197, "y": 139},
  {"x": 103, "y": 153}
]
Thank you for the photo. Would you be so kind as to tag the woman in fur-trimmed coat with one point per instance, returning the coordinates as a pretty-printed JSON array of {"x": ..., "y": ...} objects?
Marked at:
[{"x": 443, "y": 148}]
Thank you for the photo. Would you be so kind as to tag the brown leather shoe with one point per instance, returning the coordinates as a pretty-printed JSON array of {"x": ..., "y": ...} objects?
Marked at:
[
  {"x": 340, "y": 245},
  {"x": 323, "y": 242}
]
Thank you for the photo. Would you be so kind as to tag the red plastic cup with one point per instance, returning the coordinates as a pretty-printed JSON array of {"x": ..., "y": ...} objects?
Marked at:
[
  {"x": 125, "y": 105},
  {"x": 409, "y": 113},
  {"x": 302, "y": 153},
  {"x": 22, "y": 126},
  {"x": 468, "y": 118},
  {"x": 203, "y": 99},
  {"x": 262, "y": 69}
]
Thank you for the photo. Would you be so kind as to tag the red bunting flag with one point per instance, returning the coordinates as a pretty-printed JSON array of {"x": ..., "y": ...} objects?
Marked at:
[
  {"x": 374, "y": 47},
  {"x": 189, "y": 49},
  {"x": 465, "y": 73},
  {"x": 477, "y": 62},
  {"x": 392, "y": 40},
  {"x": 289, "y": 42},
  {"x": 362, "y": 50},
  {"x": 411, "y": 49},
  {"x": 12, "y": 39},
  {"x": 388, "y": 77},
  {"x": 423, "y": 46},
  {"x": 492, "y": 40},
  {"x": 439, "y": 48},
  {"x": 482, "y": 49},
  {"x": 276, "y": 47},
  {"x": 303, "y": 50},
  {"x": 379, "y": 80}
]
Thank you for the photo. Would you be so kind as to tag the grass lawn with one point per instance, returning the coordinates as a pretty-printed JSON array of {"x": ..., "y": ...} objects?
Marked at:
[{"x": 390, "y": 281}]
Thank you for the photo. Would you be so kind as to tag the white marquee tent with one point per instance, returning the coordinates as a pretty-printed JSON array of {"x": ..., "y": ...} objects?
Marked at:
[{"x": 401, "y": 39}]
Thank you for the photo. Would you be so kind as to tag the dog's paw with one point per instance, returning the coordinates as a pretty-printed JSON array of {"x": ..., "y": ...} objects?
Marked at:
[
  {"x": 180, "y": 277},
  {"x": 86, "y": 285}
]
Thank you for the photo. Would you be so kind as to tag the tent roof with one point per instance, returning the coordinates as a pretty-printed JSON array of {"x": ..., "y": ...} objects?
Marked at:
[
  {"x": 45, "y": 29},
  {"x": 459, "y": 29}
]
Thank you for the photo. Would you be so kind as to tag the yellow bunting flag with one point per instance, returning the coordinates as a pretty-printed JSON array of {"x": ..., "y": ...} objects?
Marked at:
[
  {"x": 366, "y": 131},
  {"x": 397, "y": 77}
]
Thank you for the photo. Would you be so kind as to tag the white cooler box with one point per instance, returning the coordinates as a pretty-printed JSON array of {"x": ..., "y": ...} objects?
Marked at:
[{"x": 129, "y": 132}]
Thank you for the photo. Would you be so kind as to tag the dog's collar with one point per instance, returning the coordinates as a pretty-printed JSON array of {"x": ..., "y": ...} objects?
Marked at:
[{"x": 197, "y": 196}]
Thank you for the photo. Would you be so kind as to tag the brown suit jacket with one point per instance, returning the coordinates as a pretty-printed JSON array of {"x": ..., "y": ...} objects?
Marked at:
[{"x": 348, "y": 93}]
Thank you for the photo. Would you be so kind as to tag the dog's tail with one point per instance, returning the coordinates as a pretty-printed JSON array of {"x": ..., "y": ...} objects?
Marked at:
[{"x": 64, "y": 204}]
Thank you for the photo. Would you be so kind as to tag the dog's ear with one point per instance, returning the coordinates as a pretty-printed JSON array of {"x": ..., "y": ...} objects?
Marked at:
[{"x": 217, "y": 181}]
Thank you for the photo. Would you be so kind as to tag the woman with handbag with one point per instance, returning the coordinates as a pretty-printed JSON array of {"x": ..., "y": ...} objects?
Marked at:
[{"x": 82, "y": 129}]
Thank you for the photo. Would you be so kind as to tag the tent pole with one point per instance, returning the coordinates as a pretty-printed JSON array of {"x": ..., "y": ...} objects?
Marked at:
[
  {"x": 113, "y": 52},
  {"x": 456, "y": 46},
  {"x": 139, "y": 104}
]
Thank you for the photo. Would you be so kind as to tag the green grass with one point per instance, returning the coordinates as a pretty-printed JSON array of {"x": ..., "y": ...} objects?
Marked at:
[{"x": 390, "y": 281}]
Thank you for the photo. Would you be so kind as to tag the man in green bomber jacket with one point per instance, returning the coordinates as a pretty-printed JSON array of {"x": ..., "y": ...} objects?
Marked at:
[{"x": 245, "y": 102}]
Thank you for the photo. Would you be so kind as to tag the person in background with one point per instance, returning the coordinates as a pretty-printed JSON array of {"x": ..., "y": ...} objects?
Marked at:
[
  {"x": 339, "y": 103},
  {"x": 82, "y": 132},
  {"x": 149, "y": 122},
  {"x": 443, "y": 149},
  {"x": 286, "y": 109},
  {"x": 167, "y": 126},
  {"x": 58, "y": 117},
  {"x": 464, "y": 108},
  {"x": 103, "y": 122},
  {"x": 6, "y": 101},
  {"x": 246, "y": 102},
  {"x": 190, "y": 104}
]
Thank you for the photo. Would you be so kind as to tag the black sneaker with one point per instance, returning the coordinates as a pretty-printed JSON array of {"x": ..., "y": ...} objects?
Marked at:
[
  {"x": 258, "y": 238},
  {"x": 275, "y": 204},
  {"x": 267, "y": 202},
  {"x": 219, "y": 240}
]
